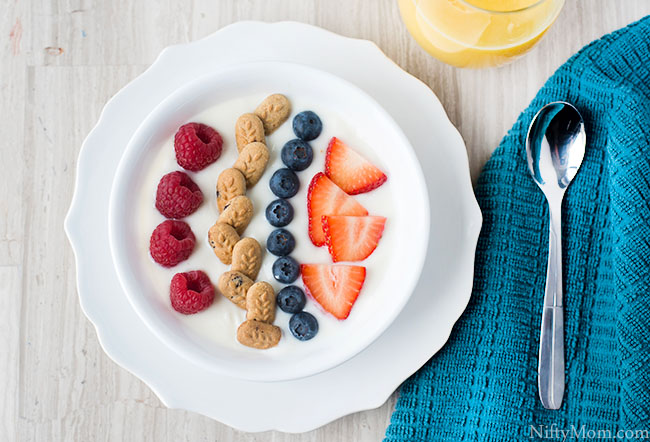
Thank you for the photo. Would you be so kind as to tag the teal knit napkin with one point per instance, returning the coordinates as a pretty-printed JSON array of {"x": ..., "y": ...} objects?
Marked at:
[{"x": 482, "y": 386}]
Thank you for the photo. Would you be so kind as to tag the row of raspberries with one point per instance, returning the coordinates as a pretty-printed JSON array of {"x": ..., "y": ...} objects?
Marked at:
[{"x": 196, "y": 146}]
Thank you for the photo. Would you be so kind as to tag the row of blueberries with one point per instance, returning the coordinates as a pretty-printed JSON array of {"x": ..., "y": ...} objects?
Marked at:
[{"x": 297, "y": 155}]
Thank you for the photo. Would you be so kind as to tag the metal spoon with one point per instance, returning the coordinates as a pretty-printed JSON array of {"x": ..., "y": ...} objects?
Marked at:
[{"x": 555, "y": 147}]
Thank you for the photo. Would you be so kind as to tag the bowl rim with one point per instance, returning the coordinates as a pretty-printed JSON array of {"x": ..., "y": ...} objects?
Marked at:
[{"x": 129, "y": 283}]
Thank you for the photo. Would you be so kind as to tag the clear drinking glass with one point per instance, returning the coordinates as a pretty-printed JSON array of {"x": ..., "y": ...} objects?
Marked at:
[{"x": 478, "y": 33}]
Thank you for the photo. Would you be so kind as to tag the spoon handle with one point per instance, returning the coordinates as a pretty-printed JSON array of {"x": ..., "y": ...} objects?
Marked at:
[{"x": 550, "y": 371}]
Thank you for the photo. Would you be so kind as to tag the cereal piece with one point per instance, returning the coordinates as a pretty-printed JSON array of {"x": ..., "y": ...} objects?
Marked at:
[
  {"x": 234, "y": 286},
  {"x": 252, "y": 162},
  {"x": 273, "y": 111},
  {"x": 258, "y": 335},
  {"x": 231, "y": 183},
  {"x": 248, "y": 129},
  {"x": 222, "y": 238},
  {"x": 260, "y": 302},
  {"x": 247, "y": 257},
  {"x": 238, "y": 213}
]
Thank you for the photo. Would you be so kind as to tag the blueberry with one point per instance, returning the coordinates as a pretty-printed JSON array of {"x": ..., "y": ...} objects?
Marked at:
[
  {"x": 307, "y": 126},
  {"x": 284, "y": 183},
  {"x": 279, "y": 213},
  {"x": 297, "y": 154},
  {"x": 280, "y": 242},
  {"x": 303, "y": 326},
  {"x": 286, "y": 269},
  {"x": 291, "y": 299}
]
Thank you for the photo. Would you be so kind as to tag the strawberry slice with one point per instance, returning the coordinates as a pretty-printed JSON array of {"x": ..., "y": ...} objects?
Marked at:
[
  {"x": 352, "y": 238},
  {"x": 335, "y": 288},
  {"x": 349, "y": 170},
  {"x": 325, "y": 198}
]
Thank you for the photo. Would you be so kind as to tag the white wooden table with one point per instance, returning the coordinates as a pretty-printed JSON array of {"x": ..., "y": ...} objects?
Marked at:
[{"x": 60, "y": 61}]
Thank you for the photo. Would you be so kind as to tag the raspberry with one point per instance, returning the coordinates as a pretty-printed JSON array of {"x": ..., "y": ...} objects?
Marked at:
[
  {"x": 177, "y": 195},
  {"x": 171, "y": 242},
  {"x": 197, "y": 146},
  {"x": 191, "y": 292}
]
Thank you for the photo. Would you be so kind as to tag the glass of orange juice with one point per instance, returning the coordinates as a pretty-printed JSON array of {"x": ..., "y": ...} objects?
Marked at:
[{"x": 478, "y": 33}]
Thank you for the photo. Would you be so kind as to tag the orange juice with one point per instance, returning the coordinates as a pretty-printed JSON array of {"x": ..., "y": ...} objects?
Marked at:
[{"x": 478, "y": 33}]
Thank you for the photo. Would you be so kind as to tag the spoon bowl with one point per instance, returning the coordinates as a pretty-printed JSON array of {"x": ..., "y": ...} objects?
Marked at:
[{"x": 555, "y": 146}]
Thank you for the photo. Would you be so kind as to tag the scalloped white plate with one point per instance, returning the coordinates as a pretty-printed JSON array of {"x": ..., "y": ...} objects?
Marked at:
[{"x": 366, "y": 380}]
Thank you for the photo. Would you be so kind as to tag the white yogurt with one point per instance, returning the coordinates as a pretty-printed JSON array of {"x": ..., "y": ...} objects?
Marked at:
[{"x": 218, "y": 323}]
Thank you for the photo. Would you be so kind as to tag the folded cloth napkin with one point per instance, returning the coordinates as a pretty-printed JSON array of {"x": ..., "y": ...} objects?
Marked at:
[{"x": 482, "y": 386}]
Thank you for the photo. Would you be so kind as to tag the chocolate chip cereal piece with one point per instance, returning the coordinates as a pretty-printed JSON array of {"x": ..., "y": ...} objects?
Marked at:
[
  {"x": 248, "y": 129},
  {"x": 273, "y": 111},
  {"x": 234, "y": 286},
  {"x": 222, "y": 238},
  {"x": 231, "y": 183},
  {"x": 238, "y": 213},
  {"x": 252, "y": 162},
  {"x": 247, "y": 257},
  {"x": 260, "y": 302},
  {"x": 258, "y": 334}
]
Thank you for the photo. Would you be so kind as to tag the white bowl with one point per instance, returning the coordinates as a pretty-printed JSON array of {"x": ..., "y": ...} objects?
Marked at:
[{"x": 410, "y": 218}]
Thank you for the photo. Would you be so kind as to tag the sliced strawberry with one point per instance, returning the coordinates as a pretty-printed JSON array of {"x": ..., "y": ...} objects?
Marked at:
[
  {"x": 335, "y": 288},
  {"x": 325, "y": 198},
  {"x": 352, "y": 238},
  {"x": 349, "y": 170}
]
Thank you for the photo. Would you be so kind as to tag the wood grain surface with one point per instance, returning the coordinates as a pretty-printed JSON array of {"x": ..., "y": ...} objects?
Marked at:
[{"x": 60, "y": 61}]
